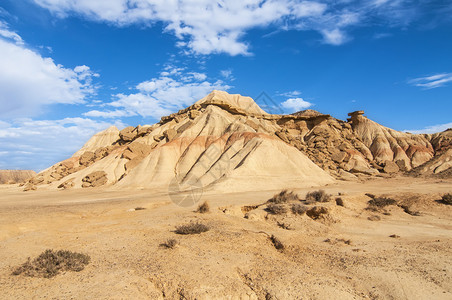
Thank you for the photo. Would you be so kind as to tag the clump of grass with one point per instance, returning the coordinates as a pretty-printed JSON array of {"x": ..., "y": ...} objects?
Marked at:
[
  {"x": 50, "y": 263},
  {"x": 340, "y": 201},
  {"x": 381, "y": 202},
  {"x": 298, "y": 209},
  {"x": 284, "y": 196},
  {"x": 276, "y": 209},
  {"x": 447, "y": 199},
  {"x": 277, "y": 243},
  {"x": 169, "y": 244},
  {"x": 318, "y": 196},
  {"x": 317, "y": 212},
  {"x": 203, "y": 208},
  {"x": 192, "y": 228},
  {"x": 140, "y": 208}
]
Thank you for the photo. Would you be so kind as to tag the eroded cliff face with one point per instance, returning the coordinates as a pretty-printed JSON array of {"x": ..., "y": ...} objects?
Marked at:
[
  {"x": 226, "y": 141},
  {"x": 15, "y": 176}
]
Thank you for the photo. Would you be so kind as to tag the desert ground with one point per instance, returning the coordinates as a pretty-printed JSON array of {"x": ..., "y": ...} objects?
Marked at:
[{"x": 345, "y": 254}]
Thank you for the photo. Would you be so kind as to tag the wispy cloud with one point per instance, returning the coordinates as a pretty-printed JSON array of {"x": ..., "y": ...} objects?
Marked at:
[
  {"x": 431, "y": 129},
  {"x": 209, "y": 27},
  {"x": 174, "y": 89},
  {"x": 432, "y": 81},
  {"x": 29, "y": 81}
]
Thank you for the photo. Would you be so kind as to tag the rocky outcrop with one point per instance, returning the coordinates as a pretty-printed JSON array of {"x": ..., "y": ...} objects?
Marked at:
[
  {"x": 95, "y": 179},
  {"x": 224, "y": 140}
]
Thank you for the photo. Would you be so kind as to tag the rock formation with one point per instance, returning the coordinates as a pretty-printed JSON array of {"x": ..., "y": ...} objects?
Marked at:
[
  {"x": 228, "y": 143},
  {"x": 15, "y": 176}
]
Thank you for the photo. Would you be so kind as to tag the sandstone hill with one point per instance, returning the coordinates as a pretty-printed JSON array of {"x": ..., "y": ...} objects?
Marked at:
[
  {"x": 15, "y": 176},
  {"x": 229, "y": 143}
]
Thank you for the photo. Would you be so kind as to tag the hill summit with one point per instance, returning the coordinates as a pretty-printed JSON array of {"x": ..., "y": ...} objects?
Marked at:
[{"x": 228, "y": 143}]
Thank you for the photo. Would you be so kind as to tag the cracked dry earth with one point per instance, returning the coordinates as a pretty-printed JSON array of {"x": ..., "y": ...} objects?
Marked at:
[{"x": 345, "y": 254}]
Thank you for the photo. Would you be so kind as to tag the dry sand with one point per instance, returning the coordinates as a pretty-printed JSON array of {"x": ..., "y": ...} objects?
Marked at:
[{"x": 235, "y": 259}]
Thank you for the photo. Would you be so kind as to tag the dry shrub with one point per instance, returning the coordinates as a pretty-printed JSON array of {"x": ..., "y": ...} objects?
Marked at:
[
  {"x": 284, "y": 196},
  {"x": 169, "y": 244},
  {"x": 316, "y": 212},
  {"x": 191, "y": 228},
  {"x": 340, "y": 201},
  {"x": 447, "y": 199},
  {"x": 407, "y": 210},
  {"x": 140, "y": 208},
  {"x": 298, "y": 209},
  {"x": 370, "y": 195},
  {"x": 381, "y": 202},
  {"x": 394, "y": 236},
  {"x": 203, "y": 208},
  {"x": 276, "y": 209},
  {"x": 49, "y": 263},
  {"x": 277, "y": 243},
  {"x": 318, "y": 196}
]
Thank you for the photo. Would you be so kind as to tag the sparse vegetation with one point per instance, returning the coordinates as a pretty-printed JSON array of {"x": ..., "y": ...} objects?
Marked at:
[
  {"x": 339, "y": 201},
  {"x": 284, "y": 196},
  {"x": 370, "y": 195},
  {"x": 203, "y": 208},
  {"x": 277, "y": 243},
  {"x": 316, "y": 212},
  {"x": 447, "y": 199},
  {"x": 169, "y": 244},
  {"x": 49, "y": 263},
  {"x": 318, "y": 196},
  {"x": 407, "y": 210},
  {"x": 192, "y": 228},
  {"x": 140, "y": 208},
  {"x": 276, "y": 209},
  {"x": 298, "y": 209},
  {"x": 381, "y": 202},
  {"x": 285, "y": 226}
]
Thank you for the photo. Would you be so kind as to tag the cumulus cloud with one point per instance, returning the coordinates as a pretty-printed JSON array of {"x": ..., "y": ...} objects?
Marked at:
[
  {"x": 29, "y": 81},
  {"x": 174, "y": 89},
  {"x": 432, "y": 81},
  {"x": 431, "y": 129},
  {"x": 296, "y": 104},
  {"x": 8, "y": 34},
  {"x": 37, "y": 144},
  {"x": 206, "y": 27}
]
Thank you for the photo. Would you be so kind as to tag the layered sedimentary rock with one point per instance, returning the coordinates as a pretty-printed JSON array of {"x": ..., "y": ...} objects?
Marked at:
[{"x": 227, "y": 142}]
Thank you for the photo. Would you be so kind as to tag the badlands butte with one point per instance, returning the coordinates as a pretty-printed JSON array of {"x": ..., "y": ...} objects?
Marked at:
[{"x": 380, "y": 230}]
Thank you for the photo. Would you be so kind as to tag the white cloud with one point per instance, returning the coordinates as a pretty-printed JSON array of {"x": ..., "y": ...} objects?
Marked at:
[
  {"x": 296, "y": 104},
  {"x": 29, "y": 81},
  {"x": 431, "y": 129},
  {"x": 6, "y": 33},
  {"x": 205, "y": 26},
  {"x": 37, "y": 144},
  {"x": 433, "y": 81},
  {"x": 227, "y": 74},
  {"x": 173, "y": 90},
  {"x": 291, "y": 94}
]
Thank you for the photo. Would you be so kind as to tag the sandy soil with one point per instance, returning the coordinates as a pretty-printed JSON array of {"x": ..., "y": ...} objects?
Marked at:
[{"x": 344, "y": 255}]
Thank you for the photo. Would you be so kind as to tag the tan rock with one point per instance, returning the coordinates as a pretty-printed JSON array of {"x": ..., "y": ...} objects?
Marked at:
[
  {"x": 128, "y": 134},
  {"x": 170, "y": 134},
  {"x": 30, "y": 187},
  {"x": 390, "y": 167},
  {"x": 339, "y": 157},
  {"x": 95, "y": 179},
  {"x": 87, "y": 158},
  {"x": 67, "y": 184}
]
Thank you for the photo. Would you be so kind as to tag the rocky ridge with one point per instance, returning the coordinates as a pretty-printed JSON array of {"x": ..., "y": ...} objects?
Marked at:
[{"x": 224, "y": 139}]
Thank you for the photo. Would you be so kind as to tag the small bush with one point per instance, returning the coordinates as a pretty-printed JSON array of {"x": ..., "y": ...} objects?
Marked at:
[
  {"x": 339, "y": 201},
  {"x": 169, "y": 244},
  {"x": 381, "y": 202},
  {"x": 317, "y": 212},
  {"x": 447, "y": 199},
  {"x": 192, "y": 228},
  {"x": 277, "y": 243},
  {"x": 298, "y": 209},
  {"x": 276, "y": 209},
  {"x": 49, "y": 263},
  {"x": 203, "y": 208},
  {"x": 318, "y": 196},
  {"x": 284, "y": 196}
]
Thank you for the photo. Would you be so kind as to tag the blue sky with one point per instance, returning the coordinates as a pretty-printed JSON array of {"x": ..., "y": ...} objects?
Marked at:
[{"x": 70, "y": 68}]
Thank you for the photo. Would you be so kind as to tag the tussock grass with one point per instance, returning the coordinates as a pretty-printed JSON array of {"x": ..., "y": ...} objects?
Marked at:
[
  {"x": 318, "y": 196},
  {"x": 192, "y": 228},
  {"x": 284, "y": 196}
]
